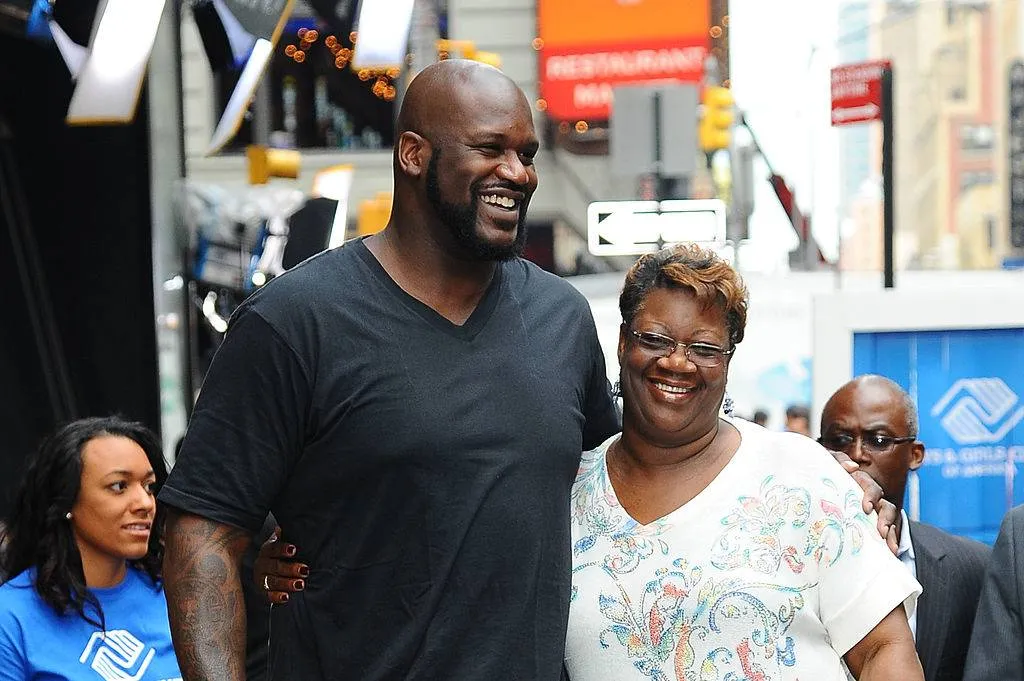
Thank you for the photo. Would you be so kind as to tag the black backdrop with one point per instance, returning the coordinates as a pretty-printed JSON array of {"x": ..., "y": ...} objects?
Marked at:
[{"x": 88, "y": 199}]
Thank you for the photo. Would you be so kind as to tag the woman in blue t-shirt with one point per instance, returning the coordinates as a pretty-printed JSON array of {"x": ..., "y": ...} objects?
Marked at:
[{"x": 83, "y": 551}]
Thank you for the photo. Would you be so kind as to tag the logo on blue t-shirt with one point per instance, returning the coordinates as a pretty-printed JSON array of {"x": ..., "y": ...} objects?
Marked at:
[{"x": 117, "y": 655}]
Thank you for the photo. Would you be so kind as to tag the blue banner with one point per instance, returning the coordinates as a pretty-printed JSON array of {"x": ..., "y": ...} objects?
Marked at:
[{"x": 969, "y": 389}]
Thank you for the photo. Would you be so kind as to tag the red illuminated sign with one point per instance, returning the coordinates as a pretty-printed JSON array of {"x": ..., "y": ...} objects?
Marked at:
[
  {"x": 587, "y": 47},
  {"x": 578, "y": 81},
  {"x": 857, "y": 92}
]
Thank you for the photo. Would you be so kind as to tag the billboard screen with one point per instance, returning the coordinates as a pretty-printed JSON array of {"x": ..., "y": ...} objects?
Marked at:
[{"x": 589, "y": 46}]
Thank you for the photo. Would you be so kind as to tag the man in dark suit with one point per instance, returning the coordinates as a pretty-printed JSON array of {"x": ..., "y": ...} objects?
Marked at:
[
  {"x": 997, "y": 646},
  {"x": 874, "y": 421}
]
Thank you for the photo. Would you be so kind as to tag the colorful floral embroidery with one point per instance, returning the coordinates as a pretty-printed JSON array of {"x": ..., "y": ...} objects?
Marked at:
[{"x": 733, "y": 600}]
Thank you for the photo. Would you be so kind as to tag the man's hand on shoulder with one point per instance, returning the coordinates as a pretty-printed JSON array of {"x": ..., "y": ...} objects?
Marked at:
[{"x": 873, "y": 501}]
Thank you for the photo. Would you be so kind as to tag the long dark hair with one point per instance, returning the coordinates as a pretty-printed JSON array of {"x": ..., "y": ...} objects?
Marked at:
[{"x": 38, "y": 533}]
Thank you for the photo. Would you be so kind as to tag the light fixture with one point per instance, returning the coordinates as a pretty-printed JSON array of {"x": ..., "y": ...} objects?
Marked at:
[
  {"x": 110, "y": 78},
  {"x": 73, "y": 54},
  {"x": 24, "y": 18},
  {"x": 383, "y": 27},
  {"x": 33, "y": 20},
  {"x": 335, "y": 183},
  {"x": 266, "y": 26}
]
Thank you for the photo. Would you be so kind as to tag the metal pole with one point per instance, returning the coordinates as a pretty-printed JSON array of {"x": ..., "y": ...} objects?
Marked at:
[
  {"x": 658, "y": 180},
  {"x": 888, "y": 195}
]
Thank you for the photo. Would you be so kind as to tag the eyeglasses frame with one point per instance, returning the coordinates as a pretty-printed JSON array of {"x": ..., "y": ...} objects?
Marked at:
[
  {"x": 896, "y": 441},
  {"x": 685, "y": 346}
]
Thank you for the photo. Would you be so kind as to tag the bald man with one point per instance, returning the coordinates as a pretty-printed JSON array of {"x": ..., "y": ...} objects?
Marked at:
[
  {"x": 874, "y": 421},
  {"x": 412, "y": 407}
]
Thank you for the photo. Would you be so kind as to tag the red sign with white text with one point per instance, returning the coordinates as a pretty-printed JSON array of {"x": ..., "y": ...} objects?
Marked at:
[
  {"x": 578, "y": 81},
  {"x": 857, "y": 92},
  {"x": 589, "y": 46}
]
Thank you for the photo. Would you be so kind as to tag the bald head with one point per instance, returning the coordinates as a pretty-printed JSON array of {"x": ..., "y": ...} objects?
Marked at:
[
  {"x": 874, "y": 421},
  {"x": 473, "y": 202},
  {"x": 442, "y": 94},
  {"x": 880, "y": 386}
]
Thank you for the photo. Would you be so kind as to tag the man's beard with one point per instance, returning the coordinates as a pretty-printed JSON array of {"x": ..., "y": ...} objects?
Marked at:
[{"x": 461, "y": 219}]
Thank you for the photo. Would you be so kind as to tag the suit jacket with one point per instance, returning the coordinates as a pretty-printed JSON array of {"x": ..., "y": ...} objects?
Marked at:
[
  {"x": 951, "y": 570},
  {"x": 997, "y": 647}
]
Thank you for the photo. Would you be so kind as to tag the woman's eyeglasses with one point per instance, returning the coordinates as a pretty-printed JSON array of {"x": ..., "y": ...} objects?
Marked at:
[{"x": 701, "y": 354}]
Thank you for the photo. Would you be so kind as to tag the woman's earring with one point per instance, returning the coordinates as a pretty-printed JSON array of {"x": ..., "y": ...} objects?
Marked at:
[
  {"x": 727, "y": 405},
  {"x": 67, "y": 516},
  {"x": 617, "y": 389}
]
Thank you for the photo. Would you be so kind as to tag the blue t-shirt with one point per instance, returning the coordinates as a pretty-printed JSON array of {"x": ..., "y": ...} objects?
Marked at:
[{"x": 37, "y": 644}]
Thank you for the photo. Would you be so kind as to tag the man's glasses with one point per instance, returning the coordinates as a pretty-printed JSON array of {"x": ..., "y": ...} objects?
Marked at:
[
  {"x": 701, "y": 354},
  {"x": 873, "y": 443}
]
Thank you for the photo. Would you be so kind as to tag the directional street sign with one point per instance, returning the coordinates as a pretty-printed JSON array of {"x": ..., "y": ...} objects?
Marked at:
[
  {"x": 636, "y": 227},
  {"x": 857, "y": 92}
]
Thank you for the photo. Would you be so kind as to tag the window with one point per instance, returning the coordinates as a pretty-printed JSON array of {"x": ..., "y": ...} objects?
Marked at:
[
  {"x": 976, "y": 178},
  {"x": 977, "y": 137}
]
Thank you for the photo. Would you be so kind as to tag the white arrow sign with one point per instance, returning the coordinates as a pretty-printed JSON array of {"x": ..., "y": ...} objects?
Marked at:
[
  {"x": 635, "y": 227},
  {"x": 865, "y": 111}
]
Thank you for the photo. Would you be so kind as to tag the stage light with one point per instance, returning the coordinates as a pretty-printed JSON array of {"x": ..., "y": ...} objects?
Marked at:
[
  {"x": 33, "y": 20},
  {"x": 383, "y": 28},
  {"x": 73, "y": 54},
  {"x": 24, "y": 18},
  {"x": 335, "y": 183},
  {"x": 110, "y": 79},
  {"x": 231, "y": 119},
  {"x": 266, "y": 27}
]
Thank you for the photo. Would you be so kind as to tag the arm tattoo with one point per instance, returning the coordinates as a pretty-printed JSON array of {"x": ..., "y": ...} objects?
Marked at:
[{"x": 204, "y": 597}]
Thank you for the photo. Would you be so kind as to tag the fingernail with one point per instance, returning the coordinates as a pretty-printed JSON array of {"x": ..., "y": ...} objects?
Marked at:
[
  {"x": 298, "y": 585},
  {"x": 289, "y": 550},
  {"x": 303, "y": 571}
]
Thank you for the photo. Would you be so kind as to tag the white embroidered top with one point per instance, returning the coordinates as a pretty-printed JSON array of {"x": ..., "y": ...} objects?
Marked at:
[{"x": 771, "y": 573}]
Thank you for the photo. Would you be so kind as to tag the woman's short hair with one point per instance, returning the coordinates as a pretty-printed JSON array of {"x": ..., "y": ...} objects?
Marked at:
[
  {"x": 711, "y": 280},
  {"x": 38, "y": 533}
]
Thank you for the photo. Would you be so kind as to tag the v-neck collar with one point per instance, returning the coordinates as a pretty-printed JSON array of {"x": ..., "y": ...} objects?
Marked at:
[
  {"x": 723, "y": 480},
  {"x": 466, "y": 331}
]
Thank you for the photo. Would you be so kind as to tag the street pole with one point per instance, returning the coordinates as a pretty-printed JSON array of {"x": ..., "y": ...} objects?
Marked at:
[
  {"x": 888, "y": 195},
  {"x": 659, "y": 181}
]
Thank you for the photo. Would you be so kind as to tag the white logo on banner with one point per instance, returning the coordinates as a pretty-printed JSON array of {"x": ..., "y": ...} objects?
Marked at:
[
  {"x": 117, "y": 653},
  {"x": 980, "y": 410}
]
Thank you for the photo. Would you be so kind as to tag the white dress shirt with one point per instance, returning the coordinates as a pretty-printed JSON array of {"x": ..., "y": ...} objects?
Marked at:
[{"x": 906, "y": 555}]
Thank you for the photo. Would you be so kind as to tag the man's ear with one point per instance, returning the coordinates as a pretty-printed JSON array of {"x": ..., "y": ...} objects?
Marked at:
[
  {"x": 414, "y": 153},
  {"x": 916, "y": 455}
]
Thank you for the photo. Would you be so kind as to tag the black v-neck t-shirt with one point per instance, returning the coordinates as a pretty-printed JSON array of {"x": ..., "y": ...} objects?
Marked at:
[{"x": 423, "y": 468}]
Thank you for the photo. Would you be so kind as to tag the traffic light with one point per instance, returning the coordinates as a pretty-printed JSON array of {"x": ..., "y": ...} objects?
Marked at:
[
  {"x": 715, "y": 130},
  {"x": 266, "y": 163}
]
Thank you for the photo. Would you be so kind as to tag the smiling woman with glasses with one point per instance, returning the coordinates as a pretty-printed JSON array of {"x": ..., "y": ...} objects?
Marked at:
[{"x": 707, "y": 546}]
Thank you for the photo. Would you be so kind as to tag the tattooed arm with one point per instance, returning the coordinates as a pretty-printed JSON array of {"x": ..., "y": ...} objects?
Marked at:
[{"x": 204, "y": 596}]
